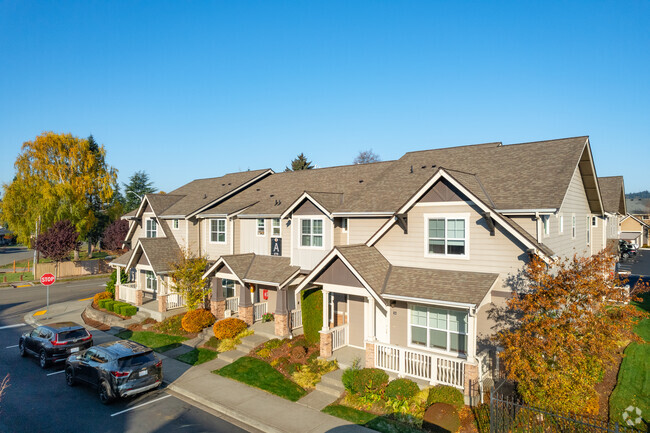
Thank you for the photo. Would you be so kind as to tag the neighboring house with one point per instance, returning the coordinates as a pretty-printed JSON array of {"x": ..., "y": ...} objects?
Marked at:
[
  {"x": 411, "y": 255},
  {"x": 612, "y": 190},
  {"x": 634, "y": 230},
  {"x": 640, "y": 208}
]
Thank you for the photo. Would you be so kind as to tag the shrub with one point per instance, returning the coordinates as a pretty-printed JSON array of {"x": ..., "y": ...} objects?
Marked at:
[
  {"x": 196, "y": 320},
  {"x": 101, "y": 295},
  {"x": 273, "y": 344},
  {"x": 128, "y": 310},
  {"x": 268, "y": 317},
  {"x": 109, "y": 304},
  {"x": 350, "y": 374},
  {"x": 312, "y": 314},
  {"x": 112, "y": 279},
  {"x": 369, "y": 380},
  {"x": 264, "y": 352},
  {"x": 446, "y": 394},
  {"x": 401, "y": 389},
  {"x": 102, "y": 303},
  {"x": 229, "y": 328},
  {"x": 115, "y": 307}
]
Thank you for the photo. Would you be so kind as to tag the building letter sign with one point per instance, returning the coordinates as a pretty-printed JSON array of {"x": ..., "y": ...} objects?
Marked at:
[{"x": 276, "y": 246}]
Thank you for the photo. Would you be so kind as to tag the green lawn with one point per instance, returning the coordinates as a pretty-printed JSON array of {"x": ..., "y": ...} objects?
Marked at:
[
  {"x": 158, "y": 342},
  {"x": 257, "y": 373},
  {"x": 198, "y": 356},
  {"x": 633, "y": 387},
  {"x": 372, "y": 421},
  {"x": 11, "y": 277}
]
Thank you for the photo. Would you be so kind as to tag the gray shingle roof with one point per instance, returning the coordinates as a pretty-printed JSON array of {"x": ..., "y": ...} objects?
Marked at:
[
  {"x": 161, "y": 252},
  {"x": 611, "y": 190},
  {"x": 123, "y": 259},
  {"x": 268, "y": 269}
]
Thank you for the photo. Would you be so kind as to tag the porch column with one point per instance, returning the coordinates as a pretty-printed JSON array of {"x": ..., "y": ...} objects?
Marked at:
[
  {"x": 325, "y": 334},
  {"x": 162, "y": 295},
  {"x": 281, "y": 313},
  {"x": 326, "y": 315},
  {"x": 245, "y": 305},
  {"x": 471, "y": 337},
  {"x": 217, "y": 301},
  {"x": 372, "y": 335},
  {"x": 118, "y": 280}
]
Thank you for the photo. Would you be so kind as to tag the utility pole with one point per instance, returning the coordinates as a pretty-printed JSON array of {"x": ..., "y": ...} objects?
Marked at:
[{"x": 38, "y": 227}]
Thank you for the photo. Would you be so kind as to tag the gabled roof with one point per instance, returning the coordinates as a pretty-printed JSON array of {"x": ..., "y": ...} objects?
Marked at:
[
  {"x": 160, "y": 253},
  {"x": 635, "y": 219},
  {"x": 637, "y": 206},
  {"x": 612, "y": 190},
  {"x": 253, "y": 268},
  {"x": 122, "y": 260}
]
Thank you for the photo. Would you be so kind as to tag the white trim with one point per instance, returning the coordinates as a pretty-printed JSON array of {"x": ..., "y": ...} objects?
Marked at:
[
  {"x": 363, "y": 214},
  {"x": 225, "y": 231},
  {"x": 146, "y": 229},
  {"x": 430, "y": 301},
  {"x": 526, "y": 211},
  {"x": 234, "y": 276},
  {"x": 279, "y": 235},
  {"x": 444, "y": 203},
  {"x": 305, "y": 195},
  {"x": 561, "y": 223},
  {"x": 264, "y": 283},
  {"x": 429, "y": 216},
  {"x": 257, "y": 227},
  {"x": 300, "y": 219},
  {"x": 177, "y": 223},
  {"x": 448, "y": 331}
]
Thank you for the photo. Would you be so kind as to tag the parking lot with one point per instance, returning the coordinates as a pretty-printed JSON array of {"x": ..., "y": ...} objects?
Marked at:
[{"x": 637, "y": 266}]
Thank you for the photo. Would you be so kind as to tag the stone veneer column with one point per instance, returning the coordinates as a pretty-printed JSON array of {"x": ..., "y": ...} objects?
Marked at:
[
  {"x": 246, "y": 314},
  {"x": 162, "y": 303},
  {"x": 217, "y": 301},
  {"x": 370, "y": 354},
  {"x": 218, "y": 309},
  {"x": 245, "y": 305},
  {"x": 471, "y": 374},
  {"x": 281, "y": 314},
  {"x": 118, "y": 280},
  {"x": 139, "y": 295},
  {"x": 325, "y": 344}
]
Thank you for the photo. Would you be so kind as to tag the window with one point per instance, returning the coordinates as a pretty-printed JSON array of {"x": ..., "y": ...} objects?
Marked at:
[
  {"x": 439, "y": 328},
  {"x": 546, "y": 222},
  {"x": 594, "y": 221},
  {"x": 228, "y": 288},
  {"x": 447, "y": 236},
  {"x": 260, "y": 227},
  {"x": 311, "y": 233},
  {"x": 275, "y": 227},
  {"x": 344, "y": 224},
  {"x": 561, "y": 223},
  {"x": 588, "y": 230},
  {"x": 175, "y": 224},
  {"x": 573, "y": 226},
  {"x": 152, "y": 228},
  {"x": 150, "y": 281},
  {"x": 218, "y": 231}
]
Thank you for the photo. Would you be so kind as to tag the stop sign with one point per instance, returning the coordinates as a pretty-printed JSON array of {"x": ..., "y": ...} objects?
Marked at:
[{"x": 47, "y": 279}]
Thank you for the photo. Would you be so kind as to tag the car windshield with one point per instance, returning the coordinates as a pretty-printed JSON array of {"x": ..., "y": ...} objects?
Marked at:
[
  {"x": 136, "y": 360},
  {"x": 73, "y": 334}
]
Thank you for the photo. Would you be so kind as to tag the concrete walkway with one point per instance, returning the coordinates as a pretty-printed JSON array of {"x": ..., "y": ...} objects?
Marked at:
[{"x": 249, "y": 405}]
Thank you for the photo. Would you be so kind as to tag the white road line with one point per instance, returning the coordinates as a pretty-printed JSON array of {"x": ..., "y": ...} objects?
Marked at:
[
  {"x": 13, "y": 326},
  {"x": 56, "y": 372},
  {"x": 140, "y": 405},
  {"x": 10, "y": 347}
]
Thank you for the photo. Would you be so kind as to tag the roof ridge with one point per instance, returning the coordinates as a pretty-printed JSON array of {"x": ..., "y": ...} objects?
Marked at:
[
  {"x": 489, "y": 144},
  {"x": 546, "y": 141},
  {"x": 234, "y": 172},
  {"x": 336, "y": 166},
  {"x": 250, "y": 265}
]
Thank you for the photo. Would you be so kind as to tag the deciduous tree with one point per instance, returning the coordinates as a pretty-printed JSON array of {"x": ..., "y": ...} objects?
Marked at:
[
  {"x": 366, "y": 157},
  {"x": 300, "y": 163},
  {"x": 58, "y": 241},
  {"x": 139, "y": 185},
  {"x": 571, "y": 319},
  {"x": 186, "y": 275},
  {"x": 114, "y": 236}
]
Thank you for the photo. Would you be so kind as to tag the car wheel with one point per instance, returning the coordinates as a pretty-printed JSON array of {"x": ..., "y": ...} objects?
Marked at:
[
  {"x": 21, "y": 348},
  {"x": 42, "y": 359},
  {"x": 69, "y": 377},
  {"x": 625, "y": 255},
  {"x": 105, "y": 394}
]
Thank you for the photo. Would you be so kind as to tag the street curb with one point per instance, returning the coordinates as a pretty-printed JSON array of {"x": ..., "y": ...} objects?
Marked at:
[{"x": 224, "y": 410}]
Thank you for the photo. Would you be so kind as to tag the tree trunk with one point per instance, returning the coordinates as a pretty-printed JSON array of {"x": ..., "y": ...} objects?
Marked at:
[
  {"x": 91, "y": 248},
  {"x": 76, "y": 254}
]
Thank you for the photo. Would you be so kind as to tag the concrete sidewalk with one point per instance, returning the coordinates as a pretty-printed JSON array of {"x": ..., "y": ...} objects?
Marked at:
[{"x": 252, "y": 406}]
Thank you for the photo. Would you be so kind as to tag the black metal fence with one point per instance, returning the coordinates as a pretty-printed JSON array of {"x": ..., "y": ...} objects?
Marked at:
[{"x": 508, "y": 415}]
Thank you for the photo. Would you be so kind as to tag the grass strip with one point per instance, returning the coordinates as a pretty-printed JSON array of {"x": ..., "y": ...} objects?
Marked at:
[
  {"x": 349, "y": 414},
  {"x": 158, "y": 342},
  {"x": 257, "y": 373},
  {"x": 198, "y": 356}
]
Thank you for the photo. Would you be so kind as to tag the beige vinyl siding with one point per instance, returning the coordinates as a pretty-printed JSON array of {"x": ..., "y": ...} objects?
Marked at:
[
  {"x": 285, "y": 233},
  {"x": 575, "y": 203},
  {"x": 236, "y": 233},
  {"x": 501, "y": 253},
  {"x": 612, "y": 226},
  {"x": 138, "y": 232},
  {"x": 308, "y": 257},
  {"x": 598, "y": 236},
  {"x": 631, "y": 225},
  {"x": 250, "y": 242},
  {"x": 214, "y": 250},
  {"x": 362, "y": 229},
  {"x": 340, "y": 235},
  {"x": 193, "y": 236},
  {"x": 528, "y": 223},
  {"x": 356, "y": 319},
  {"x": 399, "y": 323},
  {"x": 179, "y": 233}
]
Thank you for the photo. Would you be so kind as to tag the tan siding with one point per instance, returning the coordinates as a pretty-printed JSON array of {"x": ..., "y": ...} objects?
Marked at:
[
  {"x": 237, "y": 235},
  {"x": 598, "y": 236},
  {"x": 250, "y": 242},
  {"x": 528, "y": 223},
  {"x": 193, "y": 236},
  {"x": 308, "y": 257},
  {"x": 211, "y": 249},
  {"x": 179, "y": 234},
  {"x": 138, "y": 232},
  {"x": 362, "y": 229},
  {"x": 356, "y": 309},
  {"x": 631, "y": 225},
  {"x": 399, "y": 324},
  {"x": 286, "y": 237}
]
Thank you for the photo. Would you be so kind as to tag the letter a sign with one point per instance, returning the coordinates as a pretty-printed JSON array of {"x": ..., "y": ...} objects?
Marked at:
[{"x": 276, "y": 246}]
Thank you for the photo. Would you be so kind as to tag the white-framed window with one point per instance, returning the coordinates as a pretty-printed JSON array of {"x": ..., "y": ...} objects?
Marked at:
[
  {"x": 438, "y": 328},
  {"x": 588, "y": 226},
  {"x": 546, "y": 224},
  {"x": 275, "y": 227},
  {"x": 447, "y": 235},
  {"x": 573, "y": 226},
  {"x": 311, "y": 233},
  {"x": 152, "y": 228},
  {"x": 175, "y": 224},
  {"x": 151, "y": 284},
  {"x": 260, "y": 226},
  {"x": 344, "y": 224},
  {"x": 218, "y": 231},
  {"x": 561, "y": 228},
  {"x": 228, "y": 288},
  {"x": 594, "y": 221}
]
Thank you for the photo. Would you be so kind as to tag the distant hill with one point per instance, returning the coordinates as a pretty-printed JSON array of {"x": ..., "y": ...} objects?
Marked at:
[{"x": 637, "y": 195}]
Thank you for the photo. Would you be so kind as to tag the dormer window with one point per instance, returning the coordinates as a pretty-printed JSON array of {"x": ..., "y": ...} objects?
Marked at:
[
  {"x": 152, "y": 228},
  {"x": 447, "y": 235}
]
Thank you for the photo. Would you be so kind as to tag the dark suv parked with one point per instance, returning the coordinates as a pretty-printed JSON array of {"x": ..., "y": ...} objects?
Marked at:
[
  {"x": 117, "y": 369},
  {"x": 54, "y": 342},
  {"x": 627, "y": 249}
]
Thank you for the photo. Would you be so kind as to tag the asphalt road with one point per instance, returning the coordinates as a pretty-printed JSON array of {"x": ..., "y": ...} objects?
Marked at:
[
  {"x": 9, "y": 254},
  {"x": 39, "y": 400},
  {"x": 638, "y": 266}
]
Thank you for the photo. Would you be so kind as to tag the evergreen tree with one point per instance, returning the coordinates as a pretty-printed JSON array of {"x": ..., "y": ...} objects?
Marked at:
[
  {"x": 300, "y": 163},
  {"x": 139, "y": 185}
]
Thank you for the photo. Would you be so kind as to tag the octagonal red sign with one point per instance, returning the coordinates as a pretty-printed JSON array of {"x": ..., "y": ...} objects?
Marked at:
[{"x": 47, "y": 279}]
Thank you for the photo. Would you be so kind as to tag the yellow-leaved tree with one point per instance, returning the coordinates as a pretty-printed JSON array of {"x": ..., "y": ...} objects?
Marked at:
[{"x": 58, "y": 176}]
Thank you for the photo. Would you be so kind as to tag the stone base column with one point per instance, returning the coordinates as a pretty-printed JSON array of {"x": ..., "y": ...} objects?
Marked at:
[
  {"x": 218, "y": 308},
  {"x": 325, "y": 344},
  {"x": 471, "y": 374},
  {"x": 246, "y": 314},
  {"x": 162, "y": 303},
  {"x": 117, "y": 291},
  {"x": 281, "y": 325},
  {"x": 139, "y": 296},
  {"x": 370, "y": 355}
]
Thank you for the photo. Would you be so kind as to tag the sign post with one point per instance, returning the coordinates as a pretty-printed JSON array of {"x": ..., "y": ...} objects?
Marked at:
[{"x": 47, "y": 280}]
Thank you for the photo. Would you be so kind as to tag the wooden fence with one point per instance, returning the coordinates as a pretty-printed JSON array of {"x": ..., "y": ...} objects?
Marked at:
[{"x": 73, "y": 269}]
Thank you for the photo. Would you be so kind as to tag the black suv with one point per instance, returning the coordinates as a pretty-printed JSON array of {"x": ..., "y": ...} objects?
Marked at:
[
  {"x": 627, "y": 249},
  {"x": 117, "y": 369},
  {"x": 54, "y": 342}
]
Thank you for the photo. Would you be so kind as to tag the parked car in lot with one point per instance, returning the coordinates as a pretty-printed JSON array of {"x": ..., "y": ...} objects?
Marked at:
[
  {"x": 627, "y": 249},
  {"x": 117, "y": 369},
  {"x": 54, "y": 342}
]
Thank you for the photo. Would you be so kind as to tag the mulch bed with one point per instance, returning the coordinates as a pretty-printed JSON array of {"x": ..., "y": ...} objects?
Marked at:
[
  {"x": 290, "y": 353},
  {"x": 94, "y": 323},
  {"x": 607, "y": 385}
]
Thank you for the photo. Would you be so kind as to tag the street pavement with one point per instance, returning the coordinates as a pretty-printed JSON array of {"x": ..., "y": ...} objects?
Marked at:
[
  {"x": 638, "y": 266},
  {"x": 9, "y": 254}
]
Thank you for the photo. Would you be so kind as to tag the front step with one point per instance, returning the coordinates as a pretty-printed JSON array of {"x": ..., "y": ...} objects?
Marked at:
[
  {"x": 232, "y": 355},
  {"x": 252, "y": 341},
  {"x": 328, "y": 389},
  {"x": 331, "y": 384}
]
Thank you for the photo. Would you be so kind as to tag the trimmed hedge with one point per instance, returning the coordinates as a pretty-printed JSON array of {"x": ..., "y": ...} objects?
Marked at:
[
  {"x": 312, "y": 314},
  {"x": 196, "y": 320},
  {"x": 115, "y": 307},
  {"x": 109, "y": 304},
  {"x": 102, "y": 303},
  {"x": 128, "y": 310},
  {"x": 228, "y": 328},
  {"x": 401, "y": 389},
  {"x": 446, "y": 394},
  {"x": 369, "y": 379}
]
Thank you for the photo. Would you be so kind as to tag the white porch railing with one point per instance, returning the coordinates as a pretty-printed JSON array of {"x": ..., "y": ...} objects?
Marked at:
[
  {"x": 175, "y": 300},
  {"x": 339, "y": 336},
  {"x": 127, "y": 292},
  {"x": 421, "y": 365},
  {"x": 259, "y": 310},
  {"x": 232, "y": 304},
  {"x": 296, "y": 319}
]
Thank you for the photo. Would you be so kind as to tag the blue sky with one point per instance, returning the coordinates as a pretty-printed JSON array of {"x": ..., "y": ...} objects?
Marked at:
[{"x": 187, "y": 90}]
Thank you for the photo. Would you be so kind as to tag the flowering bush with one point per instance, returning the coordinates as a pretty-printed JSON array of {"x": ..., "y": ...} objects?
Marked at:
[
  {"x": 101, "y": 295},
  {"x": 267, "y": 317},
  {"x": 228, "y": 328},
  {"x": 196, "y": 320}
]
